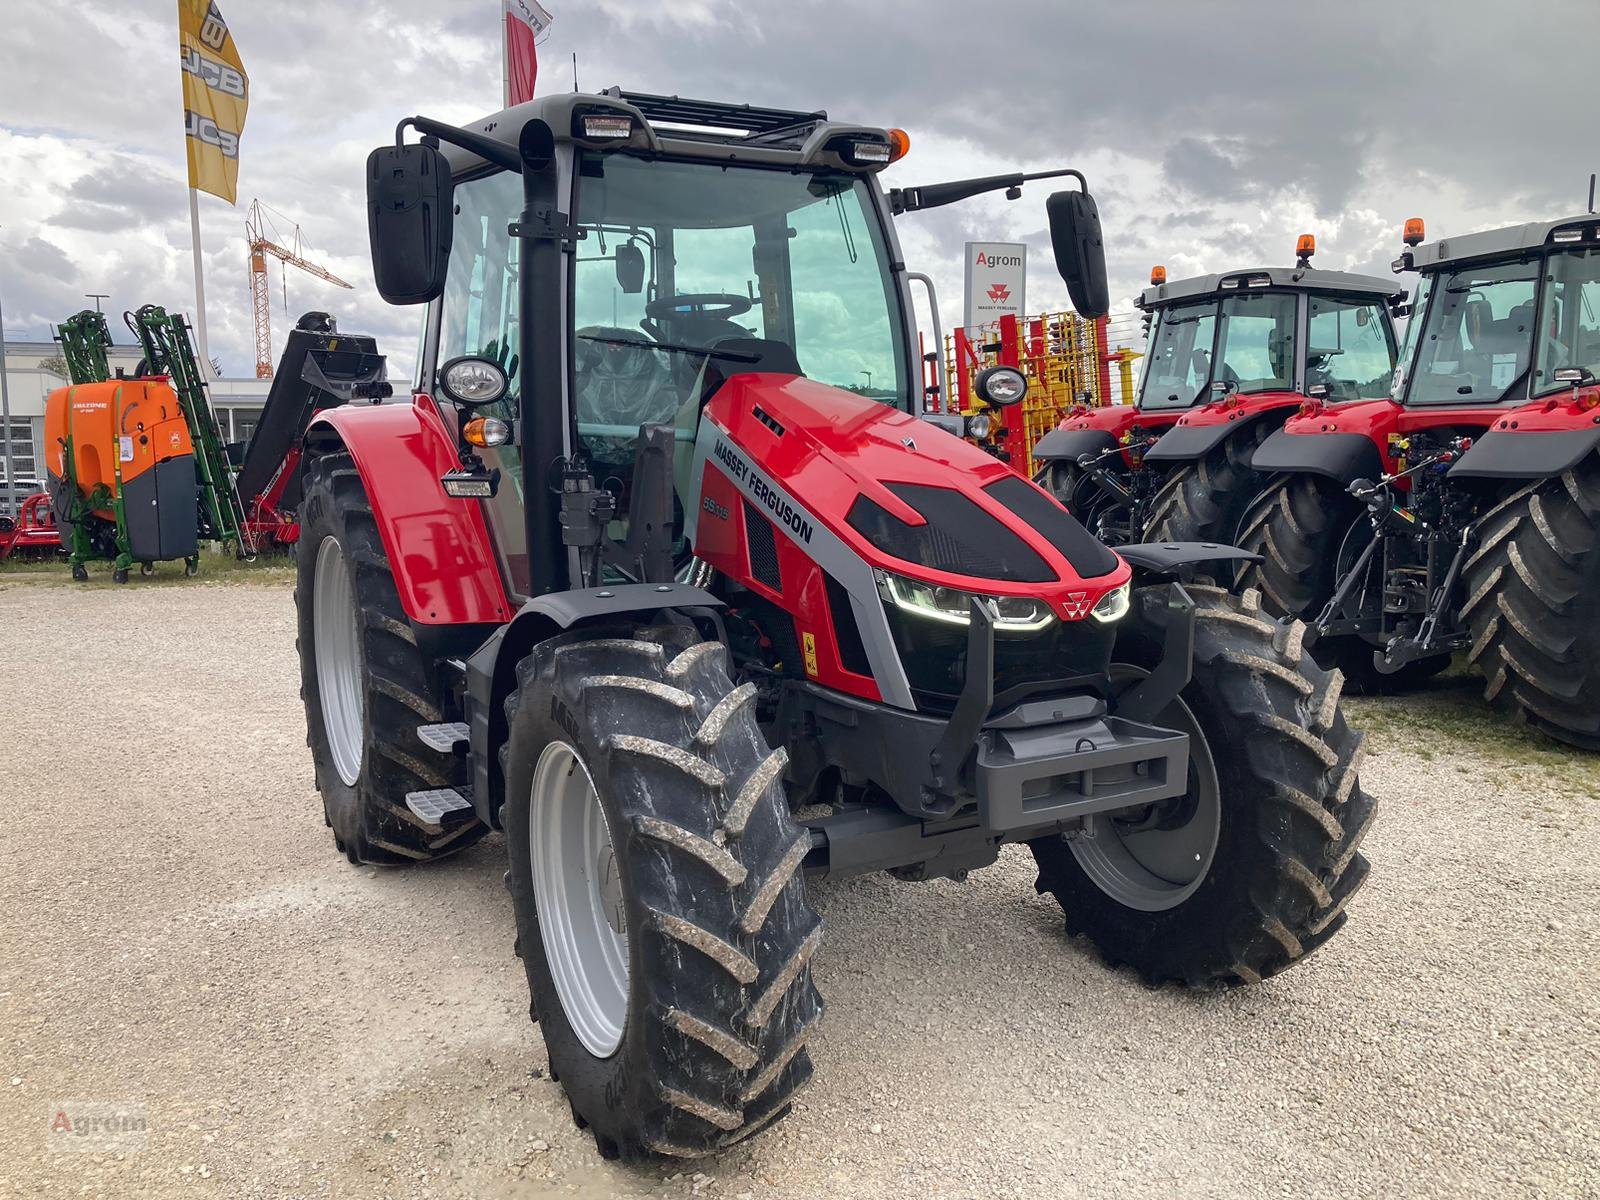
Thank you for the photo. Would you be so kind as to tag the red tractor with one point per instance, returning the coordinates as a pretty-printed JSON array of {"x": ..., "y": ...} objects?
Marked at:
[
  {"x": 1230, "y": 357},
  {"x": 639, "y": 581},
  {"x": 1464, "y": 513}
]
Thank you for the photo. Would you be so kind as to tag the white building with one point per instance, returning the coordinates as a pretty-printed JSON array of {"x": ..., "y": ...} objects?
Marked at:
[{"x": 237, "y": 403}]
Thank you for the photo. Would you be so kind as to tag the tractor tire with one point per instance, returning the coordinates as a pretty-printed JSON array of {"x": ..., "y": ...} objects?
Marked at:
[
  {"x": 1297, "y": 525},
  {"x": 1206, "y": 500},
  {"x": 1273, "y": 764},
  {"x": 1083, "y": 498},
  {"x": 366, "y": 686},
  {"x": 689, "y": 1034},
  {"x": 1532, "y": 605}
]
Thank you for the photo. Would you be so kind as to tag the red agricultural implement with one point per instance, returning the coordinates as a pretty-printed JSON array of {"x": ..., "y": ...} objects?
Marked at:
[
  {"x": 33, "y": 533},
  {"x": 1230, "y": 357}
]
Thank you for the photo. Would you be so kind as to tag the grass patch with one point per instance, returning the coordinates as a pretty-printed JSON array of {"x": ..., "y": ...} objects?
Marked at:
[
  {"x": 215, "y": 567},
  {"x": 1449, "y": 717}
]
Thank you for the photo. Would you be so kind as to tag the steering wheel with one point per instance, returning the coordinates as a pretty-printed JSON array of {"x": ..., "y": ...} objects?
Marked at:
[{"x": 722, "y": 306}]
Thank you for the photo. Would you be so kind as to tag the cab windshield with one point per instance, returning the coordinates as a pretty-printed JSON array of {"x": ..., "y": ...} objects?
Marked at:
[
  {"x": 1178, "y": 363},
  {"x": 1569, "y": 320},
  {"x": 1476, "y": 340},
  {"x": 1251, "y": 335}
]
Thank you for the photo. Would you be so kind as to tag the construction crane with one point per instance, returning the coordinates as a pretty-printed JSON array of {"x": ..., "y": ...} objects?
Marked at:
[{"x": 256, "y": 228}]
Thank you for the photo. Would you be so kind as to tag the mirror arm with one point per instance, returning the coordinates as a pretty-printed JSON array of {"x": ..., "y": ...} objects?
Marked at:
[
  {"x": 937, "y": 195},
  {"x": 486, "y": 148}
]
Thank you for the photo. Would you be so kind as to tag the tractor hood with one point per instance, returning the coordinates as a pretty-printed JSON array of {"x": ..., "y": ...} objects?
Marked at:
[{"x": 860, "y": 468}]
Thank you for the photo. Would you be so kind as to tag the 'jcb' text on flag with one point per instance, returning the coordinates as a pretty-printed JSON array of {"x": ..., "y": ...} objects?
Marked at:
[{"x": 216, "y": 97}]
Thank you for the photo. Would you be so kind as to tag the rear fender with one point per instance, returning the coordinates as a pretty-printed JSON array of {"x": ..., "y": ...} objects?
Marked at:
[
  {"x": 1200, "y": 432},
  {"x": 492, "y": 669},
  {"x": 1344, "y": 457},
  {"x": 1536, "y": 442},
  {"x": 438, "y": 547},
  {"x": 1068, "y": 445}
]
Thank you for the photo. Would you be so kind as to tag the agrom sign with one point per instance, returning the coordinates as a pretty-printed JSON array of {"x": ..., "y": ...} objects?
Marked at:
[{"x": 997, "y": 279}]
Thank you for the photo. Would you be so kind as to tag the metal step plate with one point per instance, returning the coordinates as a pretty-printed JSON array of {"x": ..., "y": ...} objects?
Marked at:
[
  {"x": 445, "y": 738},
  {"x": 433, "y": 806}
]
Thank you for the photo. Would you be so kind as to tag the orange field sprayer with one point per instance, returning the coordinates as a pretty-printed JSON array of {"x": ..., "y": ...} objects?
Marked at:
[{"x": 137, "y": 470}]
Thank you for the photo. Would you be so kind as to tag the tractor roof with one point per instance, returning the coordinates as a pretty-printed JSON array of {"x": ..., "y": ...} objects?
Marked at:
[
  {"x": 687, "y": 129},
  {"x": 1283, "y": 278},
  {"x": 1509, "y": 242}
]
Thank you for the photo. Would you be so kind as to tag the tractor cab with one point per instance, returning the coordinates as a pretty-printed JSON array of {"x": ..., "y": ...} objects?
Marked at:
[{"x": 1229, "y": 357}]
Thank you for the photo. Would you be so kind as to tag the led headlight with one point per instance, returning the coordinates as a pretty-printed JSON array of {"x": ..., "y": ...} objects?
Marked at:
[
  {"x": 1012, "y": 614},
  {"x": 1114, "y": 605},
  {"x": 472, "y": 381}
]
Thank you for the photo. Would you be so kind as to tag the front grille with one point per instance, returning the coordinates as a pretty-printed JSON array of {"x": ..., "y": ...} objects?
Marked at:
[
  {"x": 959, "y": 537},
  {"x": 1065, "y": 656},
  {"x": 763, "y": 547}
]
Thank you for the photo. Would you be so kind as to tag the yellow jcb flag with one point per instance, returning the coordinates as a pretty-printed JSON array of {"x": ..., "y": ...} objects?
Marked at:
[{"x": 216, "y": 96}]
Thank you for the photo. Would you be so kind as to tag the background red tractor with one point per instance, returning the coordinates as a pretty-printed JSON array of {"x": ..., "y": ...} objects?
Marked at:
[
  {"x": 647, "y": 587},
  {"x": 1464, "y": 514},
  {"x": 1229, "y": 358}
]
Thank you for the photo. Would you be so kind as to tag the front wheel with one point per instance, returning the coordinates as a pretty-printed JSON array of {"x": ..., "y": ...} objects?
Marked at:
[
  {"x": 366, "y": 686},
  {"x": 655, "y": 877},
  {"x": 1250, "y": 869}
]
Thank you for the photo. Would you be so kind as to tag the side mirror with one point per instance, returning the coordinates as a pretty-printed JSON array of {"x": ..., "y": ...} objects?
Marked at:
[
  {"x": 630, "y": 269},
  {"x": 1080, "y": 251},
  {"x": 409, "y": 211}
]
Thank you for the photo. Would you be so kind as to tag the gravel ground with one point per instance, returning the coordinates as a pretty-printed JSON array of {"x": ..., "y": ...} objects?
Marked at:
[{"x": 176, "y": 931}]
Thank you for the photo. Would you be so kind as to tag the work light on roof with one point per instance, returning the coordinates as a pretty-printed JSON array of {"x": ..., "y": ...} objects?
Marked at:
[
  {"x": 871, "y": 153},
  {"x": 1563, "y": 236},
  {"x": 607, "y": 126}
]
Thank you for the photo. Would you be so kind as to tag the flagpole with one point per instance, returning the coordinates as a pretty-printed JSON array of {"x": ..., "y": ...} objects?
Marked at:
[
  {"x": 505, "y": 57},
  {"x": 199, "y": 288}
]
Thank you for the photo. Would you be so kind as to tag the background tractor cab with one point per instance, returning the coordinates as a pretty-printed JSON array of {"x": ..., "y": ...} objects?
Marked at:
[
  {"x": 662, "y": 573},
  {"x": 1228, "y": 358},
  {"x": 1494, "y": 420}
]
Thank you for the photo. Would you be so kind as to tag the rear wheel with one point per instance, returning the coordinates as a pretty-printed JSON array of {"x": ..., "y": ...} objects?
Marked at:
[
  {"x": 365, "y": 684},
  {"x": 1532, "y": 603},
  {"x": 1205, "y": 501},
  {"x": 1308, "y": 532},
  {"x": 1251, "y": 869},
  {"x": 655, "y": 875},
  {"x": 1104, "y": 515}
]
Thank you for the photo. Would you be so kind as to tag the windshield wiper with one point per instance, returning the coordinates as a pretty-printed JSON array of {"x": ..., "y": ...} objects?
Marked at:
[{"x": 641, "y": 344}]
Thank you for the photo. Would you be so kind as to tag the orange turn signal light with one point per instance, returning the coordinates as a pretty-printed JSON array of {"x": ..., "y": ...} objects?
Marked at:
[
  {"x": 486, "y": 431},
  {"x": 899, "y": 144},
  {"x": 1158, "y": 276},
  {"x": 1306, "y": 246},
  {"x": 1413, "y": 232}
]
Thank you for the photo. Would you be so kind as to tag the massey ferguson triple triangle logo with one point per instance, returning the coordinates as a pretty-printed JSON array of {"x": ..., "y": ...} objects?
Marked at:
[
  {"x": 1077, "y": 605},
  {"x": 999, "y": 293}
]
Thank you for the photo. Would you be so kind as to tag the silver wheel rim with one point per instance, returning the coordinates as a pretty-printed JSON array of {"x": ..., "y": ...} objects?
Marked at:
[
  {"x": 578, "y": 891},
  {"x": 338, "y": 649},
  {"x": 1154, "y": 869}
]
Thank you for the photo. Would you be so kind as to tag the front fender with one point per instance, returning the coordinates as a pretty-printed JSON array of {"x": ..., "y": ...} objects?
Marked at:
[
  {"x": 1345, "y": 457},
  {"x": 438, "y": 547}
]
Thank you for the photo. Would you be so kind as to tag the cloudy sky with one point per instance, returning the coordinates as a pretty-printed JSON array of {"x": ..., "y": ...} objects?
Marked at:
[{"x": 1212, "y": 131}]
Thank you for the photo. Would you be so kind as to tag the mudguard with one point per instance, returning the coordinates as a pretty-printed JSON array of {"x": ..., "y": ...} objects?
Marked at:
[
  {"x": 1168, "y": 558},
  {"x": 1199, "y": 433},
  {"x": 438, "y": 547},
  {"x": 1532, "y": 454},
  {"x": 1342, "y": 456},
  {"x": 492, "y": 669},
  {"x": 1071, "y": 444}
]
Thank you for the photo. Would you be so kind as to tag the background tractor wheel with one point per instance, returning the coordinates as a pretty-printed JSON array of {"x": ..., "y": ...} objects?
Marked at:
[
  {"x": 1304, "y": 527},
  {"x": 1251, "y": 870},
  {"x": 1084, "y": 499},
  {"x": 365, "y": 684},
  {"x": 655, "y": 874},
  {"x": 1532, "y": 605},
  {"x": 1206, "y": 500}
]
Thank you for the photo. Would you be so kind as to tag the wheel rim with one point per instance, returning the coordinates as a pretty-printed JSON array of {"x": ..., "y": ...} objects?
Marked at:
[
  {"x": 338, "y": 650},
  {"x": 1143, "y": 866},
  {"x": 578, "y": 891}
]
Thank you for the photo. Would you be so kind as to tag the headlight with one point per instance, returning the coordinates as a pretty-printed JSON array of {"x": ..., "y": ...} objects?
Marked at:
[
  {"x": 1012, "y": 614},
  {"x": 1114, "y": 605},
  {"x": 979, "y": 425},
  {"x": 1001, "y": 386},
  {"x": 472, "y": 381}
]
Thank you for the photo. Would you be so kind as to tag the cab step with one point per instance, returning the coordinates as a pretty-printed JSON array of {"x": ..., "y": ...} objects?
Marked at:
[
  {"x": 449, "y": 738},
  {"x": 434, "y": 805}
]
